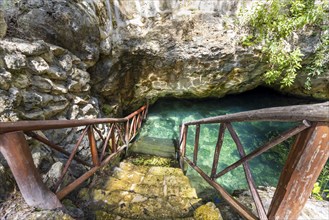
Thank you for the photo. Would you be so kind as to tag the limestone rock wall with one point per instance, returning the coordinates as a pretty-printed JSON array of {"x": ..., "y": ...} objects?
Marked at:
[
  {"x": 3, "y": 25},
  {"x": 39, "y": 80},
  {"x": 185, "y": 49},
  {"x": 140, "y": 49},
  {"x": 42, "y": 81}
]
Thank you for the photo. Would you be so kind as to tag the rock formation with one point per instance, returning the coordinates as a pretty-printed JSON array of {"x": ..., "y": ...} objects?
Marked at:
[
  {"x": 39, "y": 80},
  {"x": 151, "y": 49},
  {"x": 64, "y": 59},
  {"x": 3, "y": 25}
]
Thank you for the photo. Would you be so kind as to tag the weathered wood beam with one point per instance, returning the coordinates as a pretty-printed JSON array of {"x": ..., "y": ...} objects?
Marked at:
[
  {"x": 127, "y": 131},
  {"x": 68, "y": 189},
  {"x": 284, "y": 136},
  {"x": 93, "y": 146},
  {"x": 141, "y": 109},
  {"x": 196, "y": 144},
  {"x": 314, "y": 112},
  {"x": 182, "y": 146},
  {"x": 54, "y": 146},
  {"x": 218, "y": 148},
  {"x": 243, "y": 211},
  {"x": 15, "y": 149},
  {"x": 69, "y": 161},
  {"x": 119, "y": 131},
  {"x": 251, "y": 183},
  {"x": 53, "y": 124},
  {"x": 306, "y": 159},
  {"x": 113, "y": 141},
  {"x": 183, "y": 140},
  {"x": 57, "y": 124},
  {"x": 106, "y": 142},
  {"x": 132, "y": 125},
  {"x": 98, "y": 132}
]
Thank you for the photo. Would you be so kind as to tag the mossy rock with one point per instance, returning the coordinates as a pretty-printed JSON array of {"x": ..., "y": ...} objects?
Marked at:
[
  {"x": 207, "y": 212},
  {"x": 101, "y": 215},
  {"x": 147, "y": 160}
]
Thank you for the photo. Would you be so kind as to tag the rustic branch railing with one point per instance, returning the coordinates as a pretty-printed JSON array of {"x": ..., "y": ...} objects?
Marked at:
[
  {"x": 13, "y": 145},
  {"x": 307, "y": 156}
]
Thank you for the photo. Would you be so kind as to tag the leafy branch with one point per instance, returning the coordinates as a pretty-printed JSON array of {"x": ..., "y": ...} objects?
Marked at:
[{"x": 273, "y": 25}]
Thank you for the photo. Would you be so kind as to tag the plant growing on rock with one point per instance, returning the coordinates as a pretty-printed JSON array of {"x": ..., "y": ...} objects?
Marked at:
[
  {"x": 274, "y": 25},
  {"x": 321, "y": 189}
]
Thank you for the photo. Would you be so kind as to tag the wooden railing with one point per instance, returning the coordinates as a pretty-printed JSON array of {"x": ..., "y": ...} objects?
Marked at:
[
  {"x": 305, "y": 161},
  {"x": 13, "y": 145}
]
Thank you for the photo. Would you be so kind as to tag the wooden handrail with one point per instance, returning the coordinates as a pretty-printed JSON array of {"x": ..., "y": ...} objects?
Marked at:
[
  {"x": 37, "y": 194},
  {"x": 314, "y": 112},
  {"x": 53, "y": 124},
  {"x": 315, "y": 116},
  {"x": 130, "y": 116},
  {"x": 57, "y": 124}
]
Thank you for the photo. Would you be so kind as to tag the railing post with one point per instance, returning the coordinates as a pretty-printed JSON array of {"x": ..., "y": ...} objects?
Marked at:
[
  {"x": 218, "y": 148},
  {"x": 182, "y": 146},
  {"x": 127, "y": 133},
  {"x": 93, "y": 146},
  {"x": 15, "y": 149},
  {"x": 306, "y": 159},
  {"x": 196, "y": 144}
]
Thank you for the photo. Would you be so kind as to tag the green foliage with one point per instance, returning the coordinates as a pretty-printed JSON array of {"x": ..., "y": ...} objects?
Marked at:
[
  {"x": 320, "y": 61},
  {"x": 321, "y": 188},
  {"x": 273, "y": 24}
]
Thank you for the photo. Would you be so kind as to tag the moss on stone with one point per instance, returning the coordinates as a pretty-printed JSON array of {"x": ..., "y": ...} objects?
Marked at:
[
  {"x": 153, "y": 161},
  {"x": 84, "y": 194},
  {"x": 207, "y": 212},
  {"x": 101, "y": 215}
]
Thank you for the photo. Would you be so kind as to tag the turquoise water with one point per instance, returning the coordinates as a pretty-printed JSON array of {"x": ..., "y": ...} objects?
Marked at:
[{"x": 166, "y": 115}]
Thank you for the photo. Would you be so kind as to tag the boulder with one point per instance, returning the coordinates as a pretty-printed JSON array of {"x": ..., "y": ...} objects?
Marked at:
[
  {"x": 207, "y": 212},
  {"x": 69, "y": 24}
]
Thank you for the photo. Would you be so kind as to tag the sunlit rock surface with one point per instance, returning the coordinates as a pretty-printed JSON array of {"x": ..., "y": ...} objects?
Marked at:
[
  {"x": 15, "y": 208},
  {"x": 124, "y": 53},
  {"x": 313, "y": 209},
  {"x": 3, "y": 24},
  {"x": 141, "y": 188},
  {"x": 42, "y": 81},
  {"x": 207, "y": 212},
  {"x": 151, "y": 49}
]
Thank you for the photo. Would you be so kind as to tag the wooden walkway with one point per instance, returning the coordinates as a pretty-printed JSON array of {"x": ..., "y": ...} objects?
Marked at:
[{"x": 305, "y": 161}]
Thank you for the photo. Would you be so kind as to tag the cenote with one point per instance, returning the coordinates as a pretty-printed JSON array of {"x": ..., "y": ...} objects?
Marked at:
[{"x": 166, "y": 115}]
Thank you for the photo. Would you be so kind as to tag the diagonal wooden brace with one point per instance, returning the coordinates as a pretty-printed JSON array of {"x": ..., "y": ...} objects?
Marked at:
[{"x": 16, "y": 151}]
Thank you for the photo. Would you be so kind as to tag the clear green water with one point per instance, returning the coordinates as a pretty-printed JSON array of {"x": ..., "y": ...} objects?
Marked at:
[{"x": 166, "y": 115}]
